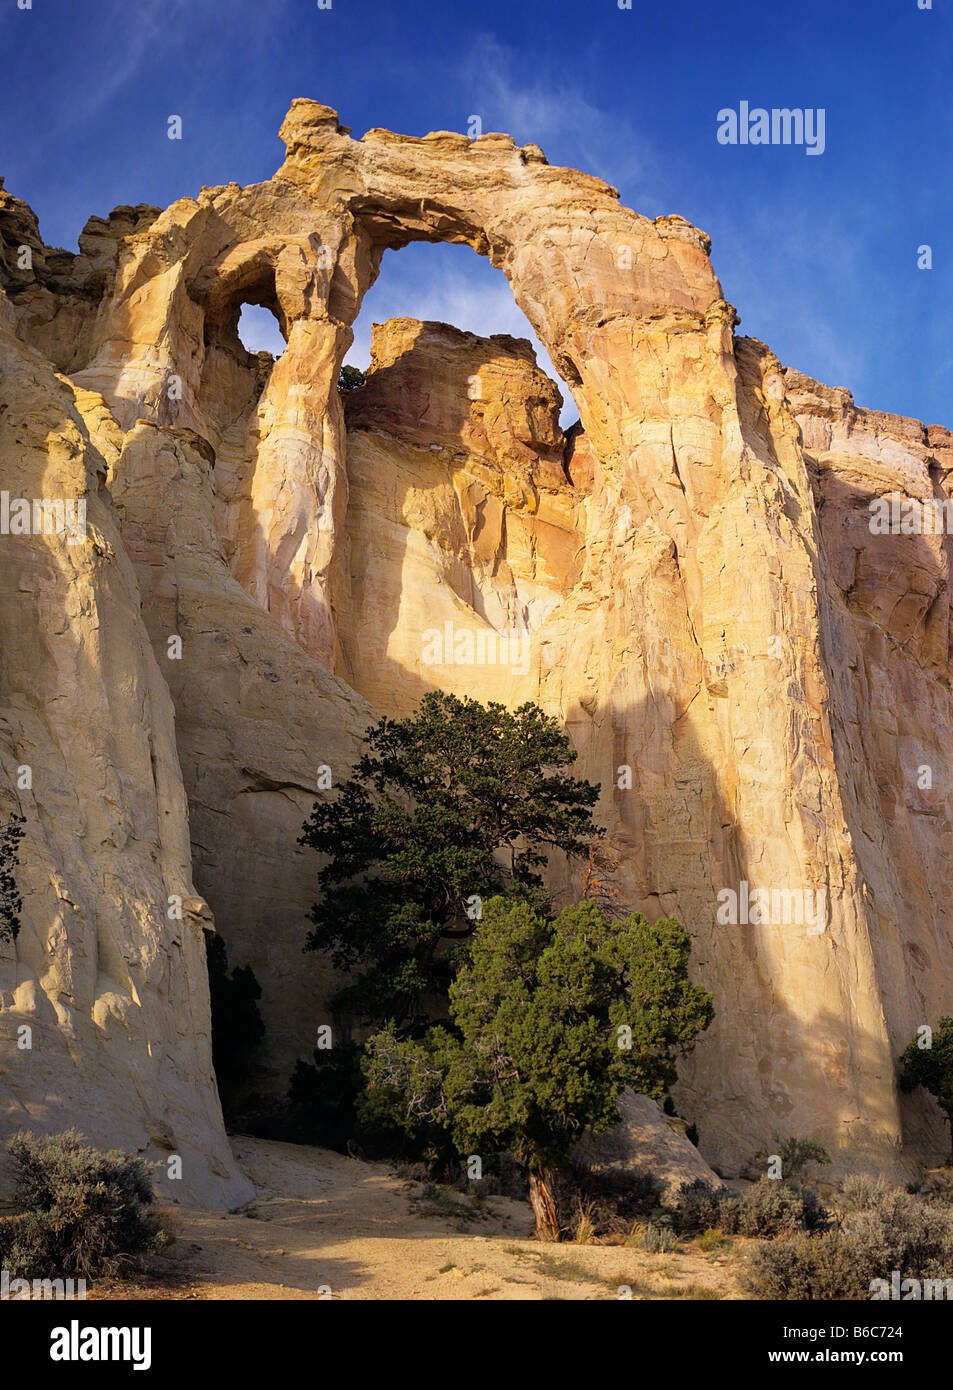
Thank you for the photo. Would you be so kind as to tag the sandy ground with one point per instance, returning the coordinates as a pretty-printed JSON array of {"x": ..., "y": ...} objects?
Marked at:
[{"x": 326, "y": 1226}]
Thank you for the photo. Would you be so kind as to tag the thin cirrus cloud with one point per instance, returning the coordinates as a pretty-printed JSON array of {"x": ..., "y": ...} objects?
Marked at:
[
  {"x": 545, "y": 112},
  {"x": 140, "y": 35}
]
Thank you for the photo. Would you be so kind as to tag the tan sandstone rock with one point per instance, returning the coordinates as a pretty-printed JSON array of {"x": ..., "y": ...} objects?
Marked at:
[
  {"x": 645, "y": 1142},
  {"x": 104, "y": 1020}
]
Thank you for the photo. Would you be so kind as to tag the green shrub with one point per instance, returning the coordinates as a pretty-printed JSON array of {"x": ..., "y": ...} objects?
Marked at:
[
  {"x": 709, "y": 1240},
  {"x": 772, "y": 1208},
  {"x": 795, "y": 1154},
  {"x": 859, "y": 1193},
  {"x": 805, "y": 1267},
  {"x": 350, "y": 378},
  {"x": 767, "y": 1209},
  {"x": 659, "y": 1237},
  {"x": 939, "y": 1186},
  {"x": 882, "y": 1229},
  {"x": 928, "y": 1062},
  {"x": 901, "y": 1232},
  {"x": 627, "y": 1192},
  {"x": 78, "y": 1211},
  {"x": 606, "y": 1201},
  {"x": 701, "y": 1207}
]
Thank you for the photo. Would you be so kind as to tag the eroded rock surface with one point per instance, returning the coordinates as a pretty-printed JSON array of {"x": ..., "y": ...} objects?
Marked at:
[
  {"x": 104, "y": 1015},
  {"x": 646, "y": 1142}
]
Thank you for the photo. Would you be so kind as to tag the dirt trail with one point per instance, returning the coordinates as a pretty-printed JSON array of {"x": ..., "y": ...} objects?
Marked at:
[{"x": 323, "y": 1225}]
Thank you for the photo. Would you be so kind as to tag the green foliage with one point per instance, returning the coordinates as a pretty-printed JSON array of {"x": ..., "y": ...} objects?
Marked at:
[
  {"x": 80, "y": 1212},
  {"x": 771, "y": 1208},
  {"x": 659, "y": 1237},
  {"x": 795, "y": 1154},
  {"x": 416, "y": 836},
  {"x": 938, "y": 1186},
  {"x": 534, "y": 1059},
  {"x": 860, "y": 1193},
  {"x": 627, "y": 1193},
  {"x": 700, "y": 1207},
  {"x": 350, "y": 378},
  {"x": 768, "y": 1209},
  {"x": 10, "y": 900},
  {"x": 323, "y": 1095},
  {"x": 806, "y": 1267},
  {"x": 932, "y": 1067},
  {"x": 237, "y": 1026}
]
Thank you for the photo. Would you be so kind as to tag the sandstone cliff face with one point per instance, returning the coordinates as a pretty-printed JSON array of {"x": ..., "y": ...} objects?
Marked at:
[
  {"x": 262, "y": 731},
  {"x": 689, "y": 582},
  {"x": 461, "y": 526},
  {"x": 103, "y": 998}
]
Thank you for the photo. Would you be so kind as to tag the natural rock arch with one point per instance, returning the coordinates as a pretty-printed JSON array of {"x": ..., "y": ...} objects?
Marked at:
[
  {"x": 634, "y": 318},
  {"x": 708, "y": 636}
]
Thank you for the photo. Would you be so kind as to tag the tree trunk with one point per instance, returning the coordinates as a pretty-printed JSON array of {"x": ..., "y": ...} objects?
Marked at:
[{"x": 542, "y": 1197}]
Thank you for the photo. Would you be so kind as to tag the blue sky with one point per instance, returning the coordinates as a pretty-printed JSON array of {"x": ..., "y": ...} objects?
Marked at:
[{"x": 819, "y": 254}]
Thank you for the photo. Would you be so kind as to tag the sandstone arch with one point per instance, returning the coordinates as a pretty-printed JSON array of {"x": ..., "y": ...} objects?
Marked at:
[{"x": 707, "y": 629}]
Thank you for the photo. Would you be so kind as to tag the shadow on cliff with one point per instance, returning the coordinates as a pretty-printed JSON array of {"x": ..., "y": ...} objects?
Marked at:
[
  {"x": 884, "y": 609},
  {"x": 771, "y": 1066},
  {"x": 767, "y": 1068}
]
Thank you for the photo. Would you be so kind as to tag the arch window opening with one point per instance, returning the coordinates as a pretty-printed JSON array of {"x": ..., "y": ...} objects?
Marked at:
[
  {"x": 259, "y": 330},
  {"x": 447, "y": 283}
]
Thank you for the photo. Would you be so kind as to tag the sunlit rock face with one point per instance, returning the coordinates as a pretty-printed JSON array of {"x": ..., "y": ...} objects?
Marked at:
[
  {"x": 104, "y": 1012},
  {"x": 688, "y": 580},
  {"x": 462, "y": 528}
]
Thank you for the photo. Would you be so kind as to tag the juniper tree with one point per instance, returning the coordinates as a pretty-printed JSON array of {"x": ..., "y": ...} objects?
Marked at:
[
  {"x": 449, "y": 807},
  {"x": 550, "y": 1020},
  {"x": 932, "y": 1067},
  {"x": 350, "y": 378}
]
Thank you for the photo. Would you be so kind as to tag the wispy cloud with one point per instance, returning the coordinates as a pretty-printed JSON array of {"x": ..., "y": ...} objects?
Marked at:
[
  {"x": 791, "y": 293},
  {"x": 139, "y": 33},
  {"x": 545, "y": 111}
]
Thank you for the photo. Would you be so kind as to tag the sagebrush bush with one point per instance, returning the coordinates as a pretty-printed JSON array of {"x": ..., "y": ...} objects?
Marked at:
[
  {"x": 771, "y": 1208},
  {"x": 659, "y": 1237},
  {"x": 605, "y": 1202},
  {"x": 939, "y": 1186},
  {"x": 881, "y": 1229},
  {"x": 79, "y": 1211},
  {"x": 701, "y": 1207},
  {"x": 858, "y": 1193},
  {"x": 810, "y": 1267},
  {"x": 768, "y": 1209},
  {"x": 904, "y": 1233}
]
